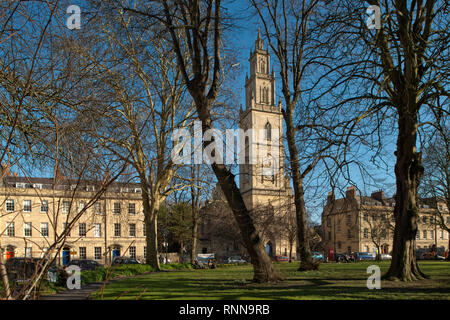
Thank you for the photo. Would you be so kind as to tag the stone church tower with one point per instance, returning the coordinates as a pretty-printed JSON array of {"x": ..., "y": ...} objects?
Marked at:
[{"x": 265, "y": 193}]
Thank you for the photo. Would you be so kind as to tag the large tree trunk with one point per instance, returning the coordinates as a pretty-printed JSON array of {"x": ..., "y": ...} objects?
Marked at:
[
  {"x": 150, "y": 207},
  {"x": 151, "y": 223},
  {"x": 263, "y": 270},
  {"x": 306, "y": 262},
  {"x": 408, "y": 172},
  {"x": 262, "y": 265}
]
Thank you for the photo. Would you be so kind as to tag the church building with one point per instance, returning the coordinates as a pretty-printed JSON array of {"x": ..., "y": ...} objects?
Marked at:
[{"x": 263, "y": 183}]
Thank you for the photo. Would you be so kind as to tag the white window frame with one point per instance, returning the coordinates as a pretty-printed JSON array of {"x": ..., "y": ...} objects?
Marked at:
[
  {"x": 132, "y": 252},
  {"x": 132, "y": 205},
  {"x": 10, "y": 227},
  {"x": 25, "y": 229},
  {"x": 66, "y": 209},
  {"x": 97, "y": 253},
  {"x": 119, "y": 207},
  {"x": 82, "y": 253},
  {"x": 27, "y": 206},
  {"x": 44, "y": 204},
  {"x": 45, "y": 225},
  {"x": 97, "y": 230},
  {"x": 82, "y": 227},
  {"x": 130, "y": 228},
  {"x": 28, "y": 254},
  {"x": 119, "y": 233},
  {"x": 81, "y": 206},
  {"x": 9, "y": 203},
  {"x": 98, "y": 208}
]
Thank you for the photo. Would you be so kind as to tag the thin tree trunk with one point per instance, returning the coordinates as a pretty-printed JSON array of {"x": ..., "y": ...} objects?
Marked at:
[
  {"x": 408, "y": 172},
  {"x": 194, "y": 234},
  {"x": 195, "y": 215},
  {"x": 4, "y": 277},
  {"x": 290, "y": 251},
  {"x": 306, "y": 262}
]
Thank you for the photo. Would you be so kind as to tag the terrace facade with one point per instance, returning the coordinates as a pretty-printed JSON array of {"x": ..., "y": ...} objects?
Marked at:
[
  {"x": 366, "y": 224},
  {"x": 36, "y": 213}
]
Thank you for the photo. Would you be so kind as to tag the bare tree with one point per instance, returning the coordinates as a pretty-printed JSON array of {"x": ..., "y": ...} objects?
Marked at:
[
  {"x": 379, "y": 222},
  {"x": 318, "y": 137},
  {"x": 202, "y": 26},
  {"x": 145, "y": 103},
  {"x": 400, "y": 71}
]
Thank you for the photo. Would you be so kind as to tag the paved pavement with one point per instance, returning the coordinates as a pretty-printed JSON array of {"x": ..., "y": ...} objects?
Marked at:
[
  {"x": 81, "y": 294},
  {"x": 86, "y": 290}
]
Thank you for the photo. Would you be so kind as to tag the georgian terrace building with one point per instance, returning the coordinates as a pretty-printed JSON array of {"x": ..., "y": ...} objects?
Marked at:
[
  {"x": 35, "y": 211},
  {"x": 360, "y": 223}
]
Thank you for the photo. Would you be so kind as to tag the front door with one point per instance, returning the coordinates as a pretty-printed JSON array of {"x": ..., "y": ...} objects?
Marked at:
[{"x": 66, "y": 256}]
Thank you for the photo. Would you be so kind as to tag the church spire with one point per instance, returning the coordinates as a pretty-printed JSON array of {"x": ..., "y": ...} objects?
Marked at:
[{"x": 259, "y": 44}]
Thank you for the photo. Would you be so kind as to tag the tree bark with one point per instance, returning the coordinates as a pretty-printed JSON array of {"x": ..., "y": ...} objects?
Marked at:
[
  {"x": 290, "y": 251},
  {"x": 4, "y": 276},
  {"x": 262, "y": 266},
  {"x": 194, "y": 234},
  {"x": 197, "y": 84},
  {"x": 408, "y": 172},
  {"x": 195, "y": 213},
  {"x": 306, "y": 262},
  {"x": 151, "y": 222}
]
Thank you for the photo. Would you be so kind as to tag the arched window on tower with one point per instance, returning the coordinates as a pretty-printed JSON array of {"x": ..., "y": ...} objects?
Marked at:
[
  {"x": 262, "y": 66},
  {"x": 247, "y": 151},
  {"x": 268, "y": 129}
]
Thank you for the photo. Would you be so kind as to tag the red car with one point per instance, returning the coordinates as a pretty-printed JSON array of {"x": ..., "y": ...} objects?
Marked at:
[{"x": 281, "y": 258}]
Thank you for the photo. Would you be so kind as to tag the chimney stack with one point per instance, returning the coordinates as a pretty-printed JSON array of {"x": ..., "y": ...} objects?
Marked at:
[
  {"x": 378, "y": 195},
  {"x": 4, "y": 172},
  {"x": 330, "y": 197},
  {"x": 351, "y": 192}
]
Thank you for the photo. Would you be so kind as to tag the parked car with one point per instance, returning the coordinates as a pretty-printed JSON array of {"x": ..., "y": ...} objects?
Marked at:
[
  {"x": 164, "y": 260},
  {"x": 317, "y": 256},
  {"x": 429, "y": 256},
  {"x": 343, "y": 257},
  {"x": 85, "y": 264},
  {"x": 385, "y": 256},
  {"x": 364, "y": 256},
  {"x": 236, "y": 259},
  {"x": 281, "y": 258},
  {"x": 23, "y": 268},
  {"x": 119, "y": 260}
]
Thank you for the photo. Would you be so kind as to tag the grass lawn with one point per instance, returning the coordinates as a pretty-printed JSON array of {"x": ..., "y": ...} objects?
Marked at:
[{"x": 332, "y": 281}]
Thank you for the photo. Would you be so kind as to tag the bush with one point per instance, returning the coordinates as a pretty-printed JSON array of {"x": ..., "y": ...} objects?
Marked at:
[
  {"x": 225, "y": 265},
  {"x": 177, "y": 266}
]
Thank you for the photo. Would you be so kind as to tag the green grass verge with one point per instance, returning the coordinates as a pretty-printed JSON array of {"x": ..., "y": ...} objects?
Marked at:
[
  {"x": 127, "y": 270},
  {"x": 331, "y": 281},
  {"x": 100, "y": 274}
]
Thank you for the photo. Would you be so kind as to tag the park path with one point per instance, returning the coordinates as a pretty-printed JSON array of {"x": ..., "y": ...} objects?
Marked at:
[{"x": 86, "y": 290}]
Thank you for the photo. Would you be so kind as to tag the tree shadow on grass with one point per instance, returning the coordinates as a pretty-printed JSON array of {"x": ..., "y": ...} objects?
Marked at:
[{"x": 238, "y": 285}]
